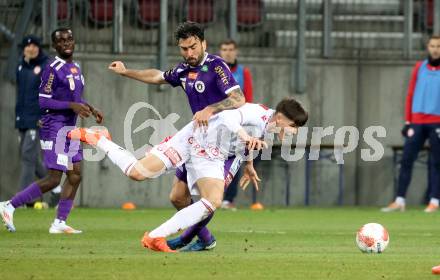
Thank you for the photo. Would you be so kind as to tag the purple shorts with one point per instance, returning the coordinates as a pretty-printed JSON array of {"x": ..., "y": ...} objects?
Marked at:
[
  {"x": 232, "y": 165},
  {"x": 61, "y": 156}
]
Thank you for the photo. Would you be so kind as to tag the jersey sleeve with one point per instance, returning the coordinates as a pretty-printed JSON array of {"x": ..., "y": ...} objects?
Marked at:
[
  {"x": 48, "y": 82},
  {"x": 232, "y": 119},
  {"x": 172, "y": 76},
  {"x": 47, "y": 87},
  {"x": 225, "y": 81},
  {"x": 252, "y": 114},
  {"x": 410, "y": 92},
  {"x": 248, "y": 89}
]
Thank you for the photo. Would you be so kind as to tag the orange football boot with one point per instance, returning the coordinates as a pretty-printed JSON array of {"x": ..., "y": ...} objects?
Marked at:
[
  {"x": 394, "y": 207},
  {"x": 156, "y": 244},
  {"x": 431, "y": 208},
  {"x": 88, "y": 135}
]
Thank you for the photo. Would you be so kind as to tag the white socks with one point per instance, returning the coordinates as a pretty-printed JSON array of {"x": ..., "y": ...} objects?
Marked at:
[
  {"x": 118, "y": 155},
  {"x": 434, "y": 201},
  {"x": 185, "y": 218},
  {"x": 400, "y": 200}
]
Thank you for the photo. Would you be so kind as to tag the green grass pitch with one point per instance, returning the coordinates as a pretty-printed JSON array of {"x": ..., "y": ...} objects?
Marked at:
[{"x": 297, "y": 243}]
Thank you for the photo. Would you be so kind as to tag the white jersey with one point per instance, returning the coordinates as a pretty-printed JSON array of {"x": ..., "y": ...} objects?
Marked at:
[
  {"x": 223, "y": 128},
  {"x": 204, "y": 152}
]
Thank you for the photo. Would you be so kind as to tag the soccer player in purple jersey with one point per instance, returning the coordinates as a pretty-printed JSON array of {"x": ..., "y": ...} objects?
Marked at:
[
  {"x": 210, "y": 88},
  {"x": 61, "y": 101}
]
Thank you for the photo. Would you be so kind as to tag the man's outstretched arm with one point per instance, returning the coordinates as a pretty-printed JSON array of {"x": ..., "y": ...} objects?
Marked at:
[{"x": 149, "y": 76}]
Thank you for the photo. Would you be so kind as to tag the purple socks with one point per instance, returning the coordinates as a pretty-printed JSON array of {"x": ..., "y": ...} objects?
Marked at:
[
  {"x": 64, "y": 207},
  {"x": 198, "y": 229},
  {"x": 29, "y": 194}
]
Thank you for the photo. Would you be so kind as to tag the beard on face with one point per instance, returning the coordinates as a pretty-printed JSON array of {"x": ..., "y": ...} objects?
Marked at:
[
  {"x": 196, "y": 61},
  {"x": 433, "y": 61}
]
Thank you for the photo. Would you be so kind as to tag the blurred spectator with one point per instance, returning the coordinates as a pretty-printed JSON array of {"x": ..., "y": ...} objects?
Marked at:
[
  {"x": 27, "y": 109},
  {"x": 422, "y": 116},
  {"x": 229, "y": 51}
]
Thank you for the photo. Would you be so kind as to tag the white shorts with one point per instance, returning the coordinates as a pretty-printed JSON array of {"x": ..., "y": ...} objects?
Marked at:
[{"x": 181, "y": 149}]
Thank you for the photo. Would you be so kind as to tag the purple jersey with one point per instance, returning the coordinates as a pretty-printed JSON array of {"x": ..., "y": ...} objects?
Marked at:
[
  {"x": 208, "y": 83},
  {"x": 63, "y": 83}
]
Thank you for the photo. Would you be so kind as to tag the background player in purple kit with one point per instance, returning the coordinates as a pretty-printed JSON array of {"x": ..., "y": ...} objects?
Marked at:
[
  {"x": 210, "y": 88},
  {"x": 60, "y": 97}
]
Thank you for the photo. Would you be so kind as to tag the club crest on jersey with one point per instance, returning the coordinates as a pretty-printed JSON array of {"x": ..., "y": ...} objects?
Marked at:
[
  {"x": 200, "y": 86},
  {"x": 73, "y": 70},
  {"x": 204, "y": 68},
  {"x": 37, "y": 69}
]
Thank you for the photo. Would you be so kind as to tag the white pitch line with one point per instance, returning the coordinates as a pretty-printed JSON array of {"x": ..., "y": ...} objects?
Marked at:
[{"x": 254, "y": 231}]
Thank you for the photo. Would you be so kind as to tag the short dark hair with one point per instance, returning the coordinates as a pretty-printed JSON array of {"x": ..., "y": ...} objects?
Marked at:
[
  {"x": 434, "y": 37},
  {"x": 293, "y": 110},
  {"x": 228, "y": 42},
  {"x": 189, "y": 29},
  {"x": 60, "y": 29}
]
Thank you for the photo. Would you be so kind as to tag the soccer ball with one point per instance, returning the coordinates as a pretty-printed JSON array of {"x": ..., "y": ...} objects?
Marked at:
[{"x": 372, "y": 238}]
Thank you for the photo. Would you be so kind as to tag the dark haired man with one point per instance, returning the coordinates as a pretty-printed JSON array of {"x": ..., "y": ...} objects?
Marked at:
[
  {"x": 210, "y": 88},
  {"x": 422, "y": 121},
  {"x": 228, "y": 50},
  {"x": 60, "y": 98},
  {"x": 203, "y": 152}
]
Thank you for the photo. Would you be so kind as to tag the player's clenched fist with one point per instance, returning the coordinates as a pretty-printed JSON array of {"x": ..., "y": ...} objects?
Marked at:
[
  {"x": 118, "y": 67},
  {"x": 82, "y": 110}
]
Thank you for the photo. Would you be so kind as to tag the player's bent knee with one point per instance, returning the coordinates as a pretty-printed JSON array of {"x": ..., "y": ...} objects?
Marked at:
[
  {"x": 179, "y": 202},
  {"x": 75, "y": 179},
  {"x": 215, "y": 202},
  {"x": 50, "y": 182},
  {"x": 134, "y": 174}
]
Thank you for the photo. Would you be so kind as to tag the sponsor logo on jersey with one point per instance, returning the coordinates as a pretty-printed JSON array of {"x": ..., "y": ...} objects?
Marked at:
[
  {"x": 48, "y": 87},
  {"x": 204, "y": 68},
  {"x": 221, "y": 73},
  {"x": 200, "y": 86},
  {"x": 192, "y": 75},
  {"x": 173, "y": 156},
  {"x": 74, "y": 70}
]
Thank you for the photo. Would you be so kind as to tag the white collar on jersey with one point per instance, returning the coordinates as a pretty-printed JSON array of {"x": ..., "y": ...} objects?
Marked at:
[
  {"x": 204, "y": 58},
  {"x": 59, "y": 59},
  {"x": 202, "y": 62}
]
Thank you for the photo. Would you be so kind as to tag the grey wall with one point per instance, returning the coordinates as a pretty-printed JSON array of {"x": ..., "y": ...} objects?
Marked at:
[{"x": 339, "y": 93}]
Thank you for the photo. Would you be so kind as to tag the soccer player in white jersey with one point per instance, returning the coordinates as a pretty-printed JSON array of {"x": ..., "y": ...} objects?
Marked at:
[{"x": 203, "y": 152}]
